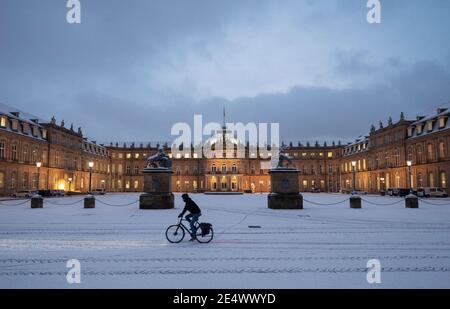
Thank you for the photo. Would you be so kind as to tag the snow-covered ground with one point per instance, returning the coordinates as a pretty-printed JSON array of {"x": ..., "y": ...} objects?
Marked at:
[{"x": 322, "y": 246}]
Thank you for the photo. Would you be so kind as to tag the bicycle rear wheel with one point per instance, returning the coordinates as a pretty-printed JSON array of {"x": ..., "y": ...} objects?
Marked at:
[
  {"x": 204, "y": 239},
  {"x": 175, "y": 234}
]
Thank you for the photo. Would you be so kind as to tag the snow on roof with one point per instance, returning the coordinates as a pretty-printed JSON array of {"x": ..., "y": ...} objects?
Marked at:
[{"x": 10, "y": 111}]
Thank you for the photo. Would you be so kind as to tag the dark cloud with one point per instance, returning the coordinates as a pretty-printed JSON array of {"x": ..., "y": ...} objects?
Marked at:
[{"x": 133, "y": 68}]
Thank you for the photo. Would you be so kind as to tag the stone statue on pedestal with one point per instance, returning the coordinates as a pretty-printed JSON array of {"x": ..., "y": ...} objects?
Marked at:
[
  {"x": 157, "y": 183},
  {"x": 159, "y": 160},
  {"x": 282, "y": 156}
]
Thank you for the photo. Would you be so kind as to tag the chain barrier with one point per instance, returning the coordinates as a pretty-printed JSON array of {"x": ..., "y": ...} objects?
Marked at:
[
  {"x": 434, "y": 204},
  {"x": 116, "y": 205},
  {"x": 63, "y": 204},
  {"x": 325, "y": 204},
  {"x": 17, "y": 204},
  {"x": 383, "y": 204}
]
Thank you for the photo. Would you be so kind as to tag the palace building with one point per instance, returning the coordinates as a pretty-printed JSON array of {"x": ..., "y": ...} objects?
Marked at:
[{"x": 372, "y": 163}]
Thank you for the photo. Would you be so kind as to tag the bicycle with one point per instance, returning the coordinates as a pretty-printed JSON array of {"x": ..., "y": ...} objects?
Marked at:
[{"x": 204, "y": 232}]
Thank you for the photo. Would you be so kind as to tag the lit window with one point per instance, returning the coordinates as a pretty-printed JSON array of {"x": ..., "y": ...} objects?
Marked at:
[
  {"x": 430, "y": 126},
  {"x": 187, "y": 155},
  {"x": 136, "y": 156},
  {"x": 419, "y": 129},
  {"x": 3, "y": 122},
  {"x": 128, "y": 155},
  {"x": 136, "y": 184},
  {"x": 441, "y": 122},
  {"x": 330, "y": 154}
]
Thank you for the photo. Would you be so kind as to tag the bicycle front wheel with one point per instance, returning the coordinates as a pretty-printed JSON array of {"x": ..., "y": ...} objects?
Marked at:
[
  {"x": 204, "y": 238},
  {"x": 175, "y": 234}
]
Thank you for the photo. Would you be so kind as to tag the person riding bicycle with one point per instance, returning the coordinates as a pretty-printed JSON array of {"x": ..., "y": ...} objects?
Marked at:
[{"x": 194, "y": 213}]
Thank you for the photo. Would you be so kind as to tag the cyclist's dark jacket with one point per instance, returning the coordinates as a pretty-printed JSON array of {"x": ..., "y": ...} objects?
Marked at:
[{"x": 191, "y": 207}]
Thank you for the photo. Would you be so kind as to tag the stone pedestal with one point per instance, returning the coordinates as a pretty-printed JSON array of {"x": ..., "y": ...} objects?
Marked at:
[
  {"x": 411, "y": 201},
  {"x": 37, "y": 202},
  {"x": 284, "y": 189},
  {"x": 89, "y": 202},
  {"x": 355, "y": 201},
  {"x": 158, "y": 189}
]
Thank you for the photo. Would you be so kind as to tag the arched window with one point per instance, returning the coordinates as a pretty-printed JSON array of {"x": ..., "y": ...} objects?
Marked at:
[
  {"x": 443, "y": 180},
  {"x": 419, "y": 180},
  {"x": 441, "y": 150},
  {"x": 430, "y": 152},
  {"x": 430, "y": 179},
  {"x": 409, "y": 154},
  {"x": 419, "y": 154}
]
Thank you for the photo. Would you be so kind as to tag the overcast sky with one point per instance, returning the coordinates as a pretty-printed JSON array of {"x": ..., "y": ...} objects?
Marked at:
[{"x": 132, "y": 69}]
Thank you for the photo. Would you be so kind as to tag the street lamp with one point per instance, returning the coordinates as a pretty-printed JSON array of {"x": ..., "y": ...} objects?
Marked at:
[
  {"x": 70, "y": 182},
  {"x": 409, "y": 163},
  {"x": 91, "y": 165},
  {"x": 38, "y": 165},
  {"x": 354, "y": 175}
]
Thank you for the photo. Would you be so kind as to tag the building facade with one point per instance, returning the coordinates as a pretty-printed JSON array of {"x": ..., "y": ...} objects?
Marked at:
[{"x": 372, "y": 163}]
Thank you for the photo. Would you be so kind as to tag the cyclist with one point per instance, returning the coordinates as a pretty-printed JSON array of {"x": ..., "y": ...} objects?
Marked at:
[{"x": 194, "y": 213}]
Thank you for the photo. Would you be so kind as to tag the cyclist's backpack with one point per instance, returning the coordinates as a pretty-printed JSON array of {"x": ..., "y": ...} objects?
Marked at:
[{"x": 206, "y": 228}]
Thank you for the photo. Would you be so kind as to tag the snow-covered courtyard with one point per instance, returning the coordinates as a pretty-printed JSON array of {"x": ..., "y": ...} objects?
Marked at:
[{"x": 321, "y": 246}]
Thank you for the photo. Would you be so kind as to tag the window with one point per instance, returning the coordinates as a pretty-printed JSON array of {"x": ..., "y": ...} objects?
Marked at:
[
  {"x": 2, "y": 149},
  {"x": 224, "y": 169},
  {"x": 3, "y": 122},
  {"x": 120, "y": 155},
  {"x": 419, "y": 129},
  {"x": 128, "y": 155},
  {"x": 127, "y": 185},
  {"x": 136, "y": 184},
  {"x": 410, "y": 131},
  {"x": 57, "y": 158},
  {"x": 419, "y": 180},
  {"x": 25, "y": 180},
  {"x": 2, "y": 180},
  {"x": 13, "y": 180},
  {"x": 128, "y": 170},
  {"x": 234, "y": 169},
  {"x": 14, "y": 152},
  {"x": 213, "y": 169},
  {"x": 430, "y": 151},
  {"x": 419, "y": 154},
  {"x": 330, "y": 154},
  {"x": 441, "y": 150},
  {"x": 441, "y": 123},
  {"x": 25, "y": 153},
  {"x": 443, "y": 178},
  {"x": 430, "y": 126},
  {"x": 136, "y": 170},
  {"x": 430, "y": 179},
  {"x": 14, "y": 124},
  {"x": 136, "y": 156}
]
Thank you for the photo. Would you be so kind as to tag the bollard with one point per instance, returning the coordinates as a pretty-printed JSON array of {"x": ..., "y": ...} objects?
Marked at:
[
  {"x": 355, "y": 201},
  {"x": 37, "y": 202},
  {"x": 89, "y": 202},
  {"x": 411, "y": 201}
]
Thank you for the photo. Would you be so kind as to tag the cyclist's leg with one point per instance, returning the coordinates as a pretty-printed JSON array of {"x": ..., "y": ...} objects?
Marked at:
[{"x": 193, "y": 220}]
